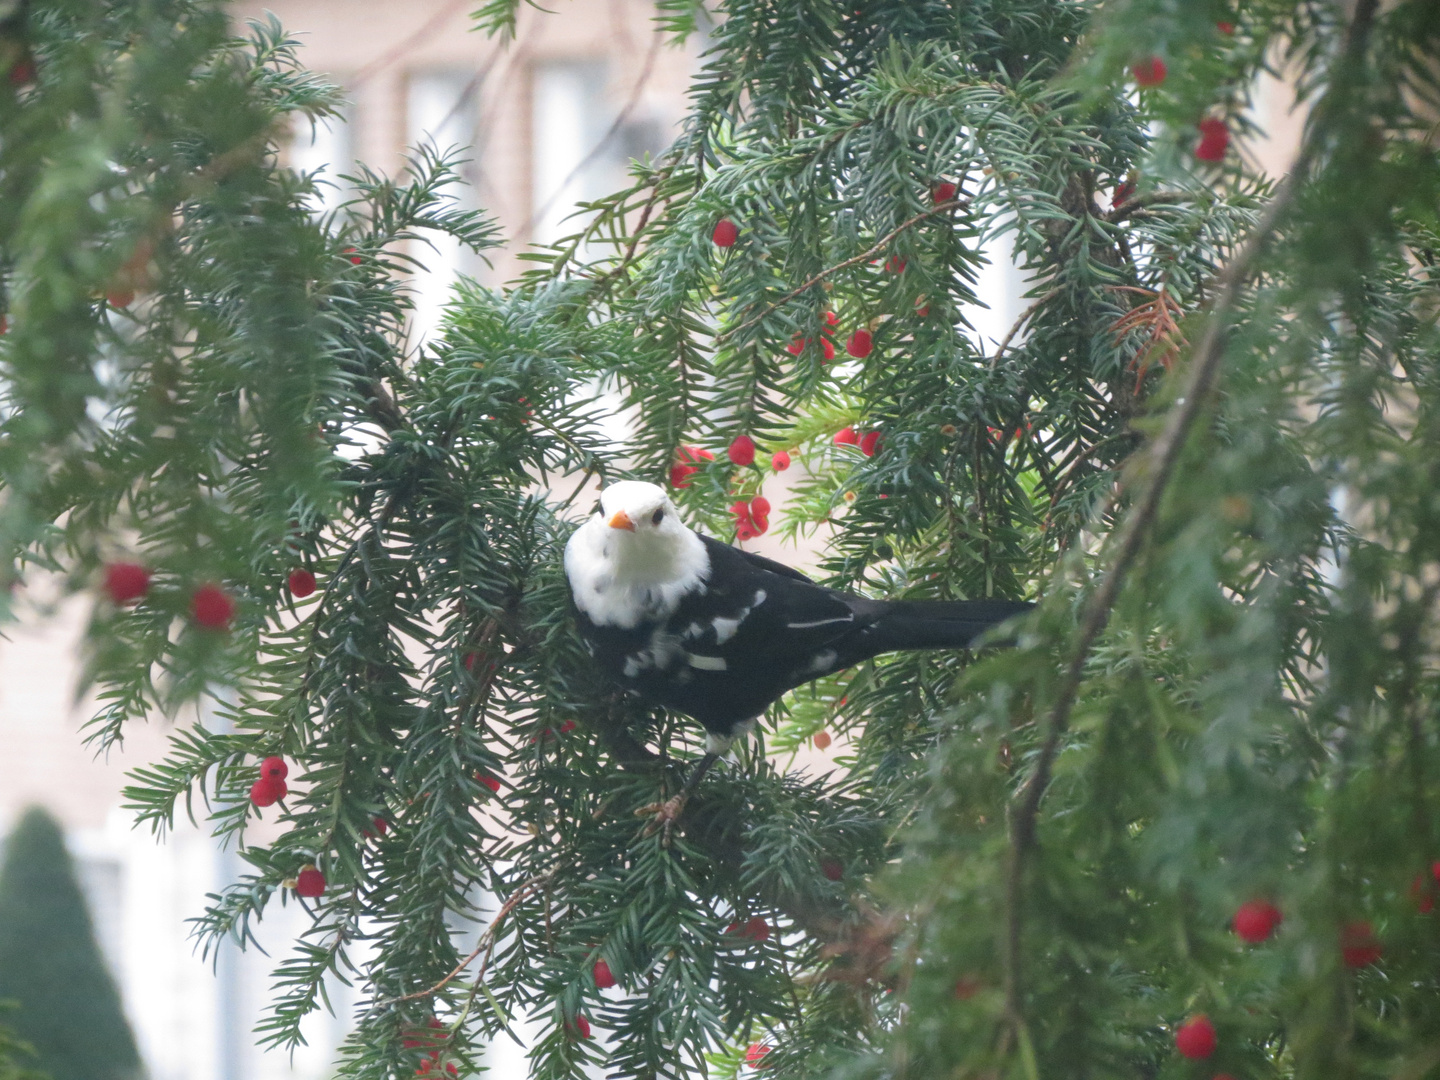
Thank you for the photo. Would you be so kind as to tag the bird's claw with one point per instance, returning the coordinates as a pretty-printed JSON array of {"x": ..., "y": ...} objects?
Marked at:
[{"x": 663, "y": 815}]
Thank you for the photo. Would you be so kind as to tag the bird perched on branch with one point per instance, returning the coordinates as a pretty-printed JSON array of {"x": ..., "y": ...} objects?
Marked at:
[{"x": 718, "y": 633}]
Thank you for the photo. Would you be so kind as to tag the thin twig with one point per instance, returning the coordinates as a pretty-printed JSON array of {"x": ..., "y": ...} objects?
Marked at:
[
  {"x": 879, "y": 246},
  {"x": 487, "y": 938},
  {"x": 1021, "y": 321}
]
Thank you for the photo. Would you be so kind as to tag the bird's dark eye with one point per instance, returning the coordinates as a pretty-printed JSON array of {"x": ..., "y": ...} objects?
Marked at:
[{"x": 657, "y": 517}]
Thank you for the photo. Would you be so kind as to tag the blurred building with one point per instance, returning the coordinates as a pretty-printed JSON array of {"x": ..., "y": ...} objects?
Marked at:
[{"x": 546, "y": 120}]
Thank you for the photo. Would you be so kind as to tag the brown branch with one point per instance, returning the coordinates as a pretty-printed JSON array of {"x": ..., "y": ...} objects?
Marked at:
[
  {"x": 1154, "y": 470},
  {"x": 487, "y": 939},
  {"x": 1021, "y": 321},
  {"x": 879, "y": 246}
]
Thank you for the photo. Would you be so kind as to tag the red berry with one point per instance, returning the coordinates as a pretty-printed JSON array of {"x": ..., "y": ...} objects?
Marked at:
[
  {"x": 796, "y": 346},
  {"x": 1256, "y": 920},
  {"x": 859, "y": 344},
  {"x": 120, "y": 298},
  {"x": 966, "y": 987},
  {"x": 741, "y": 511},
  {"x": 680, "y": 475},
  {"x": 310, "y": 882},
  {"x": 4, "y": 324},
  {"x": 922, "y": 309},
  {"x": 268, "y": 790},
  {"x": 1359, "y": 947},
  {"x": 832, "y": 869},
  {"x": 567, "y": 727},
  {"x": 1195, "y": 1039},
  {"x": 869, "y": 443},
  {"x": 1435, "y": 870},
  {"x": 831, "y": 319},
  {"x": 755, "y": 1055},
  {"x": 846, "y": 437},
  {"x": 1123, "y": 192},
  {"x": 354, "y": 255},
  {"x": 302, "y": 583},
  {"x": 827, "y": 348},
  {"x": 22, "y": 72},
  {"x": 276, "y": 767},
  {"x": 780, "y": 461},
  {"x": 742, "y": 450},
  {"x": 821, "y": 739},
  {"x": 212, "y": 607},
  {"x": 603, "y": 978},
  {"x": 895, "y": 264},
  {"x": 381, "y": 825},
  {"x": 1423, "y": 894},
  {"x": 943, "y": 192},
  {"x": 1225, "y": 28},
  {"x": 489, "y": 781},
  {"x": 726, "y": 233},
  {"x": 1149, "y": 72},
  {"x": 757, "y": 929},
  {"x": 759, "y": 506},
  {"x": 1214, "y": 138},
  {"x": 582, "y": 1026},
  {"x": 126, "y": 582}
]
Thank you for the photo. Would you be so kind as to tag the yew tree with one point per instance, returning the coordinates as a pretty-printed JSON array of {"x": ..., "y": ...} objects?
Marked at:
[{"x": 1186, "y": 827}]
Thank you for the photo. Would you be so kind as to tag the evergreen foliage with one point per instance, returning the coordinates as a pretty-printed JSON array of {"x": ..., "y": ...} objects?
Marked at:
[
  {"x": 1209, "y": 445},
  {"x": 15, "y": 1054},
  {"x": 68, "y": 1008}
]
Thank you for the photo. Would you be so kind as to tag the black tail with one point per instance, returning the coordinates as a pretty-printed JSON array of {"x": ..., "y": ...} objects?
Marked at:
[{"x": 936, "y": 624}]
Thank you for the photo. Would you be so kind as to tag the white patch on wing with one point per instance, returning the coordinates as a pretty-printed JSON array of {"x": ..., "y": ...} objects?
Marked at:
[
  {"x": 707, "y": 663},
  {"x": 822, "y": 662},
  {"x": 819, "y": 622},
  {"x": 725, "y": 628},
  {"x": 759, "y": 599}
]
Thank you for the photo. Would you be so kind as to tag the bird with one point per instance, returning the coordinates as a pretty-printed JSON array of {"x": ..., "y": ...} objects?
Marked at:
[{"x": 718, "y": 633}]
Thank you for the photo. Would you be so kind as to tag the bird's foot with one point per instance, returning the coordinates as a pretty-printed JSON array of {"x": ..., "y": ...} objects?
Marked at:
[{"x": 663, "y": 816}]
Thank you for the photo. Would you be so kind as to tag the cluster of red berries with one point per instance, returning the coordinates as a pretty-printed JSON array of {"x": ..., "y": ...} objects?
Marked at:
[
  {"x": 799, "y": 342},
  {"x": 270, "y": 788},
  {"x": 432, "y": 1042},
  {"x": 1254, "y": 922},
  {"x": 752, "y": 518},
  {"x": 210, "y": 605},
  {"x": 1150, "y": 71},
  {"x": 868, "y": 443}
]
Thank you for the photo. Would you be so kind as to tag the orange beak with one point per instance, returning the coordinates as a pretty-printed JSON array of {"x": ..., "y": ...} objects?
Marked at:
[{"x": 622, "y": 521}]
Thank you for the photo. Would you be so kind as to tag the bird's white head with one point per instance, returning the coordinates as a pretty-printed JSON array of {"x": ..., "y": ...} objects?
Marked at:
[
  {"x": 635, "y": 559},
  {"x": 639, "y": 508}
]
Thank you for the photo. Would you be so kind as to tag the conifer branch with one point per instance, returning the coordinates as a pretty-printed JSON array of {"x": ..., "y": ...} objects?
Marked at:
[
  {"x": 1154, "y": 470},
  {"x": 875, "y": 249}
]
